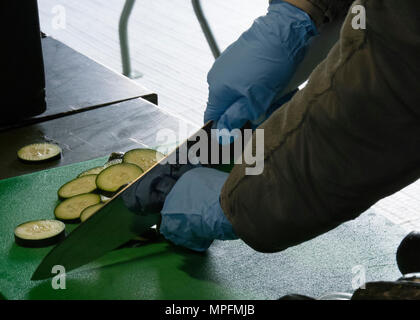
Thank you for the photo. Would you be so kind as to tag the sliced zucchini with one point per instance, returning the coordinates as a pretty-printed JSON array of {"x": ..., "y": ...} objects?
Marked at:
[
  {"x": 112, "y": 162},
  {"x": 116, "y": 156},
  {"x": 39, "y": 152},
  {"x": 114, "y": 177},
  {"x": 69, "y": 210},
  {"x": 40, "y": 233},
  {"x": 85, "y": 184},
  {"x": 150, "y": 234},
  {"x": 144, "y": 158},
  {"x": 96, "y": 170},
  {"x": 140, "y": 238},
  {"x": 105, "y": 198},
  {"x": 90, "y": 211}
]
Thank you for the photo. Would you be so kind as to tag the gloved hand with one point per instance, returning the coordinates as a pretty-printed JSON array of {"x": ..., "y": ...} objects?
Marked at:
[
  {"x": 192, "y": 216},
  {"x": 249, "y": 74},
  {"x": 147, "y": 195}
]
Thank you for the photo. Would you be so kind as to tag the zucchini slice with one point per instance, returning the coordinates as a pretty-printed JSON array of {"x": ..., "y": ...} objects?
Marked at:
[
  {"x": 148, "y": 236},
  {"x": 96, "y": 170},
  {"x": 116, "y": 156},
  {"x": 39, "y": 152},
  {"x": 90, "y": 211},
  {"x": 144, "y": 158},
  {"x": 114, "y": 177},
  {"x": 112, "y": 162},
  {"x": 104, "y": 198},
  {"x": 39, "y": 233},
  {"x": 69, "y": 210},
  {"x": 85, "y": 184}
]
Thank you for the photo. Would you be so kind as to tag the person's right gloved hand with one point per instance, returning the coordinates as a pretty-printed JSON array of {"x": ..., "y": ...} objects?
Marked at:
[
  {"x": 192, "y": 216},
  {"x": 248, "y": 75}
]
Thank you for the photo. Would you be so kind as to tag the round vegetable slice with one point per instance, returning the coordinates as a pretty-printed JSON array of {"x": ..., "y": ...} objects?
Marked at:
[
  {"x": 112, "y": 162},
  {"x": 114, "y": 177},
  {"x": 85, "y": 184},
  {"x": 149, "y": 235},
  {"x": 69, "y": 210},
  {"x": 144, "y": 158},
  {"x": 90, "y": 211},
  {"x": 116, "y": 156},
  {"x": 105, "y": 198},
  {"x": 39, "y": 152},
  {"x": 96, "y": 170},
  {"x": 39, "y": 233}
]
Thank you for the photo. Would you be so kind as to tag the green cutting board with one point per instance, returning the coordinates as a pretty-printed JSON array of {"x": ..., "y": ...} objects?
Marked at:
[
  {"x": 228, "y": 270},
  {"x": 152, "y": 271}
]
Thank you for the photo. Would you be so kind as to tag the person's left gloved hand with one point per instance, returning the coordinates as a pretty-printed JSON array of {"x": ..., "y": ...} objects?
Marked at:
[
  {"x": 248, "y": 76},
  {"x": 192, "y": 216}
]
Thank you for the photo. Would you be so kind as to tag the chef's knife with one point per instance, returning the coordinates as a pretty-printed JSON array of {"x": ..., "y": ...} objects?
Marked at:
[{"x": 120, "y": 219}]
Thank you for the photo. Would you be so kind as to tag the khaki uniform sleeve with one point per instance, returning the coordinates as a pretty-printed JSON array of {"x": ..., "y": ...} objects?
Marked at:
[
  {"x": 322, "y": 11},
  {"x": 350, "y": 138}
]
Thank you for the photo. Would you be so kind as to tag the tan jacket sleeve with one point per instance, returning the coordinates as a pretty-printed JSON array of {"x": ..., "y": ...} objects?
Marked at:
[
  {"x": 350, "y": 138},
  {"x": 322, "y": 11}
]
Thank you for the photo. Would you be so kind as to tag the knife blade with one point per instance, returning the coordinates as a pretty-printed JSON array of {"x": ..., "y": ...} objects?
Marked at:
[{"x": 118, "y": 221}]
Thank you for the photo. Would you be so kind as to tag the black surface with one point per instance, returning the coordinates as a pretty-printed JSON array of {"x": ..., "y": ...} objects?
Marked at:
[
  {"x": 91, "y": 134},
  {"x": 75, "y": 83},
  {"x": 21, "y": 59},
  {"x": 408, "y": 253}
]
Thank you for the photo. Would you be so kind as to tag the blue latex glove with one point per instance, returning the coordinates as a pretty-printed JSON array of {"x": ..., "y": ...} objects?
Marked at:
[
  {"x": 249, "y": 74},
  {"x": 192, "y": 216}
]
